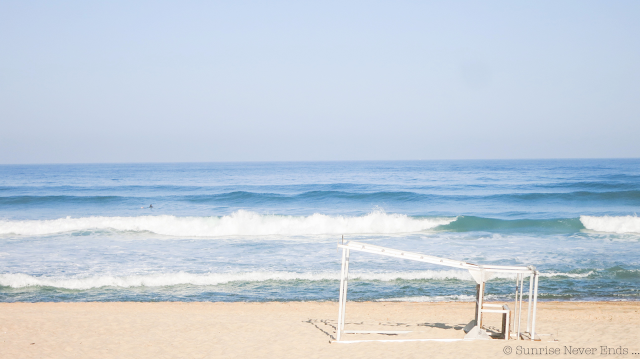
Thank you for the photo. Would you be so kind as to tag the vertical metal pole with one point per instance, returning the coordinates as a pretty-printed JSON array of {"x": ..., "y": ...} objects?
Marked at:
[
  {"x": 529, "y": 310},
  {"x": 480, "y": 298},
  {"x": 340, "y": 313},
  {"x": 507, "y": 331},
  {"x": 520, "y": 309},
  {"x": 515, "y": 304},
  {"x": 346, "y": 284},
  {"x": 477, "y": 302},
  {"x": 535, "y": 306}
]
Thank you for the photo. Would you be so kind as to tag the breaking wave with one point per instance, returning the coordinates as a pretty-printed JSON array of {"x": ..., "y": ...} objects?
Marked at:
[
  {"x": 250, "y": 223},
  {"x": 238, "y": 223},
  {"x": 612, "y": 224},
  {"x": 20, "y": 280}
]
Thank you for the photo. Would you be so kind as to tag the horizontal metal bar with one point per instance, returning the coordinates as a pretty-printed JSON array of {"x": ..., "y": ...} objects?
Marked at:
[
  {"x": 390, "y": 252},
  {"x": 376, "y": 331},
  {"x": 397, "y": 340},
  {"x": 369, "y": 248}
]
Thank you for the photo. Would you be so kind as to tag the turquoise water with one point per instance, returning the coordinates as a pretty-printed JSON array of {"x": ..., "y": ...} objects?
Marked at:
[{"x": 268, "y": 231}]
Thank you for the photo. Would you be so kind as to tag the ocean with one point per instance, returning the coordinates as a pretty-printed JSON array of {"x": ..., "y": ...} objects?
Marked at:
[{"x": 268, "y": 231}]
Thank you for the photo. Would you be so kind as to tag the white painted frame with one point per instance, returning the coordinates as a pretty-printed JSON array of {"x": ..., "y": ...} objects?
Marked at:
[{"x": 481, "y": 273}]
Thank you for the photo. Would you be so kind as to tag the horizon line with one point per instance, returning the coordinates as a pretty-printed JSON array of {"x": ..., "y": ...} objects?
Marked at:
[{"x": 321, "y": 161}]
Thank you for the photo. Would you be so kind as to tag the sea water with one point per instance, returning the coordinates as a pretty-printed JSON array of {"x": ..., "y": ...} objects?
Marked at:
[{"x": 268, "y": 231}]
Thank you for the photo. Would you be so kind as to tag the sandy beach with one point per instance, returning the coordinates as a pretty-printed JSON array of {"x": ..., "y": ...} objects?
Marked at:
[{"x": 299, "y": 330}]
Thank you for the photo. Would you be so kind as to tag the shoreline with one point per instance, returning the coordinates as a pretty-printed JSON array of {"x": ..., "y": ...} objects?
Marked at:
[
  {"x": 293, "y": 329},
  {"x": 324, "y": 301}
]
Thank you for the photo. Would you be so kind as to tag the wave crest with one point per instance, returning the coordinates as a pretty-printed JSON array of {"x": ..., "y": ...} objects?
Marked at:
[
  {"x": 612, "y": 224},
  {"x": 19, "y": 280},
  {"x": 238, "y": 223}
]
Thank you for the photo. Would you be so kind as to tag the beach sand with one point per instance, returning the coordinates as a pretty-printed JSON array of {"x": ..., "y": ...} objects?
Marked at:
[{"x": 298, "y": 330}]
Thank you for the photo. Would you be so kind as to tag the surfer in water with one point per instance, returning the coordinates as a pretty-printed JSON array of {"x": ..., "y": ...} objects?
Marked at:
[{"x": 150, "y": 206}]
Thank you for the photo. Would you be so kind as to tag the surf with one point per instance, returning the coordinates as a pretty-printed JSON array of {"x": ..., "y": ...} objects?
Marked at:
[
  {"x": 241, "y": 222},
  {"x": 612, "y": 224},
  {"x": 80, "y": 282}
]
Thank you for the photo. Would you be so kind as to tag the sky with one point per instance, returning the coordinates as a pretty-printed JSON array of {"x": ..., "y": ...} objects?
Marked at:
[{"x": 199, "y": 81}]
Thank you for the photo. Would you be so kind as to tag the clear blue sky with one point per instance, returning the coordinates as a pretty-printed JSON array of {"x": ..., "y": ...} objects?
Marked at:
[{"x": 157, "y": 81}]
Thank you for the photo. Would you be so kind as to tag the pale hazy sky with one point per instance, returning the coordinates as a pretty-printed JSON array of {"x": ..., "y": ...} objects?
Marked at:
[{"x": 158, "y": 81}]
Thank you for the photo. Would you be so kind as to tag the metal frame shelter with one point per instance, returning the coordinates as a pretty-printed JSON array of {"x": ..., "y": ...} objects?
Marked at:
[{"x": 480, "y": 273}]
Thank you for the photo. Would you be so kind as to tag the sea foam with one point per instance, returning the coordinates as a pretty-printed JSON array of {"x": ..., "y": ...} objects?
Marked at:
[
  {"x": 612, "y": 224},
  {"x": 79, "y": 282},
  {"x": 238, "y": 223},
  {"x": 20, "y": 280}
]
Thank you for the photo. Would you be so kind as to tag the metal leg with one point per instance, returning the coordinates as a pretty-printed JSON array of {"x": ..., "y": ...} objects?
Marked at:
[
  {"x": 535, "y": 306},
  {"x": 342, "y": 296},
  {"x": 480, "y": 299},
  {"x": 507, "y": 332},
  {"x": 477, "y": 301},
  {"x": 520, "y": 305},
  {"x": 529, "y": 310},
  {"x": 515, "y": 304},
  {"x": 346, "y": 284}
]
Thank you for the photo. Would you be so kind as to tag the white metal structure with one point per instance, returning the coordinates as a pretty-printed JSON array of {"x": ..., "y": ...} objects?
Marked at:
[{"x": 480, "y": 273}]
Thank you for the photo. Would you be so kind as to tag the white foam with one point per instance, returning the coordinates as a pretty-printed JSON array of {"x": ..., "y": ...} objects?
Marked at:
[
  {"x": 238, "y": 223},
  {"x": 570, "y": 275},
  {"x": 612, "y": 224},
  {"x": 19, "y": 280}
]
